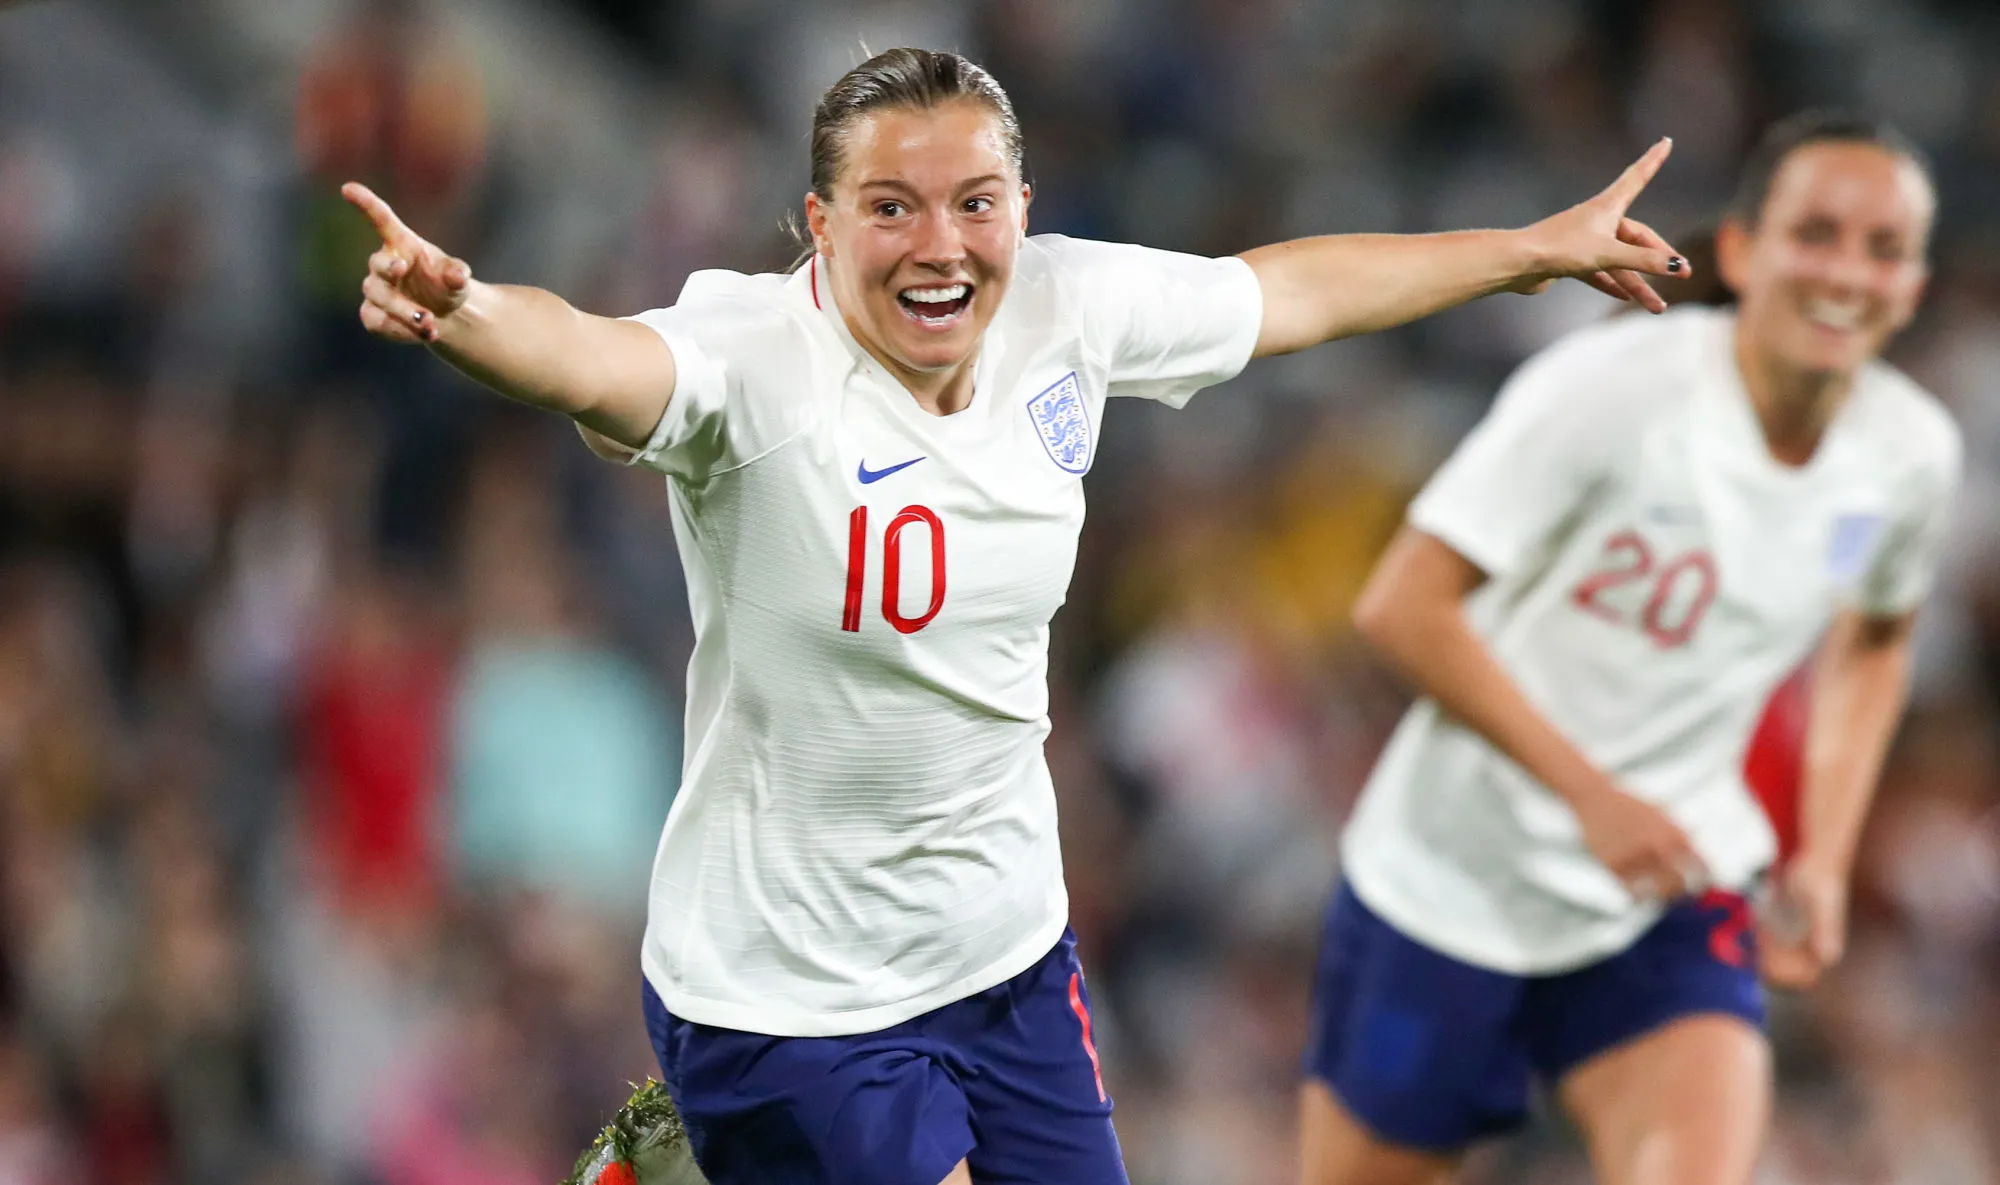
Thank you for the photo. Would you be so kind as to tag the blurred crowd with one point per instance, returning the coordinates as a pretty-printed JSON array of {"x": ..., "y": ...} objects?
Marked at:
[{"x": 340, "y": 701}]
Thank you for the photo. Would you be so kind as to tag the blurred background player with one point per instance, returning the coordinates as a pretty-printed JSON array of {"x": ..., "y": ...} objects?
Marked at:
[
  {"x": 1547, "y": 879},
  {"x": 857, "y": 957}
]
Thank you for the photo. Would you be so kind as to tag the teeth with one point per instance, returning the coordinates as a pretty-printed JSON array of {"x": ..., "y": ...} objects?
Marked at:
[
  {"x": 934, "y": 295},
  {"x": 1834, "y": 316}
]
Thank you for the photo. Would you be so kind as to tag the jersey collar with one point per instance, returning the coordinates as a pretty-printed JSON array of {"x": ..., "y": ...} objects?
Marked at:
[
  {"x": 814, "y": 280},
  {"x": 1736, "y": 413}
]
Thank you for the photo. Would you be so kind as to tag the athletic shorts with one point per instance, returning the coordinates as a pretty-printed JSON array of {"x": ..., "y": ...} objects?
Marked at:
[
  {"x": 1432, "y": 1053},
  {"x": 1007, "y": 1079}
]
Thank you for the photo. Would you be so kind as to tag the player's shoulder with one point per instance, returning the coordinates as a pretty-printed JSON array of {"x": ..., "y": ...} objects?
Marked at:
[
  {"x": 748, "y": 323},
  {"x": 1897, "y": 414},
  {"x": 1063, "y": 260},
  {"x": 764, "y": 299},
  {"x": 1672, "y": 343},
  {"x": 1056, "y": 252},
  {"x": 1054, "y": 264},
  {"x": 1055, "y": 281},
  {"x": 1628, "y": 366}
]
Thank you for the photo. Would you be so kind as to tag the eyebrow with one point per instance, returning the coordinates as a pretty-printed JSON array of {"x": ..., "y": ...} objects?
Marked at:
[{"x": 905, "y": 187}]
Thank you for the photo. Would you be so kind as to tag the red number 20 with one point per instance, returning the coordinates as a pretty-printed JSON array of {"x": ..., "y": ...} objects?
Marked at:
[
  {"x": 1629, "y": 559},
  {"x": 892, "y": 568}
]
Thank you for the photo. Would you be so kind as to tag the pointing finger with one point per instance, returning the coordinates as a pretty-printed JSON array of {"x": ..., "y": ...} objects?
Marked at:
[
  {"x": 390, "y": 227},
  {"x": 1639, "y": 291},
  {"x": 388, "y": 265},
  {"x": 1622, "y": 192},
  {"x": 1603, "y": 282},
  {"x": 1649, "y": 261},
  {"x": 399, "y": 308},
  {"x": 1631, "y": 230},
  {"x": 381, "y": 324}
]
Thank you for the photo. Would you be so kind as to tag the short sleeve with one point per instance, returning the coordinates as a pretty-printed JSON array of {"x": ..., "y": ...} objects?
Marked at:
[
  {"x": 742, "y": 375},
  {"x": 1900, "y": 574},
  {"x": 1166, "y": 323},
  {"x": 1552, "y": 436}
]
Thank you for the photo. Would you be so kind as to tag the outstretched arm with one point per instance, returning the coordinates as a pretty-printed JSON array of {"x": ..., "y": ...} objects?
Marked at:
[
  {"x": 1861, "y": 680},
  {"x": 612, "y": 377},
  {"x": 1333, "y": 286},
  {"x": 1412, "y": 612}
]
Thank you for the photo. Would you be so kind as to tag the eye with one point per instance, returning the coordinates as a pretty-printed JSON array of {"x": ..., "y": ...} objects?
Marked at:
[
  {"x": 1816, "y": 231},
  {"x": 888, "y": 209},
  {"x": 978, "y": 205},
  {"x": 1888, "y": 248}
]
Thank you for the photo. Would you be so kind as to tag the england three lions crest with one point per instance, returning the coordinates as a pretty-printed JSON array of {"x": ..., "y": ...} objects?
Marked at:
[
  {"x": 1063, "y": 424},
  {"x": 1854, "y": 540}
]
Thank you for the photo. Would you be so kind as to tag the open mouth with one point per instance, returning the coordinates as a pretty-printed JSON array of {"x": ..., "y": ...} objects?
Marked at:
[
  {"x": 1834, "y": 316},
  {"x": 935, "y": 307}
]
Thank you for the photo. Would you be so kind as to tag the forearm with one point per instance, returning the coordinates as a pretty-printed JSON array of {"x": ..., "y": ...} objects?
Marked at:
[
  {"x": 1332, "y": 286},
  {"x": 1433, "y": 645},
  {"x": 613, "y": 377},
  {"x": 1860, "y": 685}
]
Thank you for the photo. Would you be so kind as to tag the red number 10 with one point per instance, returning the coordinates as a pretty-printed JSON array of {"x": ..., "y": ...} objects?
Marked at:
[
  {"x": 1631, "y": 559},
  {"x": 892, "y": 568}
]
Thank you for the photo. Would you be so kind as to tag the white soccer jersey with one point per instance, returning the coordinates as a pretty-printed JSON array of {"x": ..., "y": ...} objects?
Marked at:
[
  {"x": 1654, "y": 574},
  {"x": 866, "y": 829}
]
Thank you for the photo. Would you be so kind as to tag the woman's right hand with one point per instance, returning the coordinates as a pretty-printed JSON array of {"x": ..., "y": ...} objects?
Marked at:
[
  {"x": 1597, "y": 243},
  {"x": 411, "y": 284},
  {"x": 1644, "y": 848}
]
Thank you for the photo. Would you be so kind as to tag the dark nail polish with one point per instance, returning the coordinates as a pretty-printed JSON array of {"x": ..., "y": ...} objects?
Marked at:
[{"x": 1676, "y": 265}]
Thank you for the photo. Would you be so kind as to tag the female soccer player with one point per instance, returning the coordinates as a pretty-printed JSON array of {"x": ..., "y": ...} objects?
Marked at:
[
  {"x": 1658, "y": 520},
  {"x": 856, "y": 957}
]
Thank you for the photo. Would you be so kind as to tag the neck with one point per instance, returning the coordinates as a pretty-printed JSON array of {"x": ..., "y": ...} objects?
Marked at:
[
  {"x": 1793, "y": 406},
  {"x": 939, "y": 392}
]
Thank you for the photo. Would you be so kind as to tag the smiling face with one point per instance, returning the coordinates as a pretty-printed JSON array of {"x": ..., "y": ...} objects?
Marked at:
[
  {"x": 1835, "y": 265},
  {"x": 925, "y": 220}
]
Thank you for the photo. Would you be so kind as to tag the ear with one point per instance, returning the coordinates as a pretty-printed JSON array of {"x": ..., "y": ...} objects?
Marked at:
[
  {"x": 816, "y": 211},
  {"x": 1734, "y": 241},
  {"x": 1027, "y": 199}
]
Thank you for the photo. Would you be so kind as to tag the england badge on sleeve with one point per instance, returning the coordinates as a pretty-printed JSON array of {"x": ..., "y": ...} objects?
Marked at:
[
  {"x": 1854, "y": 537},
  {"x": 1063, "y": 424}
]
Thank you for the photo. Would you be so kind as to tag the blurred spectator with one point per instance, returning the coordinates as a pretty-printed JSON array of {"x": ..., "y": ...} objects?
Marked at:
[
  {"x": 564, "y": 756},
  {"x": 373, "y": 719}
]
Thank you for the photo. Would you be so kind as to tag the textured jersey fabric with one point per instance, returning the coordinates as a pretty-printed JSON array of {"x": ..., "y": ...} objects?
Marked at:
[{"x": 866, "y": 829}]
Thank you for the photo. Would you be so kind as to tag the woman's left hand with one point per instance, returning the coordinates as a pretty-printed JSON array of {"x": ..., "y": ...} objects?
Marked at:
[
  {"x": 1596, "y": 243},
  {"x": 1805, "y": 932}
]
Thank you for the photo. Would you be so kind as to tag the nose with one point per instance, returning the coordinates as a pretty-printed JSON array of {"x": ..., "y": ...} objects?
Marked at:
[
  {"x": 1848, "y": 267},
  {"x": 939, "y": 242}
]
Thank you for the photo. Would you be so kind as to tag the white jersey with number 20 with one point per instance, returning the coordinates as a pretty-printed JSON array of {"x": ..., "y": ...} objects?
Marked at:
[
  {"x": 866, "y": 829},
  {"x": 1653, "y": 574}
]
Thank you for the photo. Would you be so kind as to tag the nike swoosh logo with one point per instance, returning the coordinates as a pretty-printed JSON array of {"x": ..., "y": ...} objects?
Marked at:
[{"x": 869, "y": 476}]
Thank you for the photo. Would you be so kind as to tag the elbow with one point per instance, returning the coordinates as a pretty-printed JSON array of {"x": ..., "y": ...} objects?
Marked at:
[
  {"x": 606, "y": 447},
  {"x": 1376, "y": 617}
]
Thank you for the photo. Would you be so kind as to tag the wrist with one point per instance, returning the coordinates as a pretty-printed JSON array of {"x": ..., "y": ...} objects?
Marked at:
[
  {"x": 1821, "y": 864},
  {"x": 1585, "y": 790},
  {"x": 1527, "y": 255},
  {"x": 454, "y": 326}
]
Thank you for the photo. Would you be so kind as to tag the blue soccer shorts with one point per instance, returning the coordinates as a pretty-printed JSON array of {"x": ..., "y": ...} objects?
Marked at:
[
  {"x": 1007, "y": 1079},
  {"x": 1432, "y": 1053}
]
